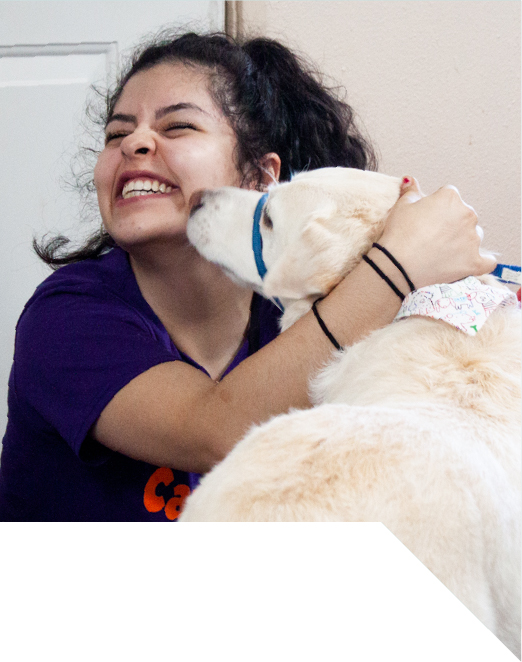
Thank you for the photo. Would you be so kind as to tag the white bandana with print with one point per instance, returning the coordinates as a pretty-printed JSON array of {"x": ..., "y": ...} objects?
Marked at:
[{"x": 465, "y": 304}]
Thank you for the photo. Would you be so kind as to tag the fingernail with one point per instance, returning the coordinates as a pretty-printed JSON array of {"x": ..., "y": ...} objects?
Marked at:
[{"x": 406, "y": 180}]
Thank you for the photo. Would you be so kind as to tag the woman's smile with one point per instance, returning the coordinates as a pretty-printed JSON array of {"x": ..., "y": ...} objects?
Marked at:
[
  {"x": 143, "y": 180},
  {"x": 134, "y": 185}
]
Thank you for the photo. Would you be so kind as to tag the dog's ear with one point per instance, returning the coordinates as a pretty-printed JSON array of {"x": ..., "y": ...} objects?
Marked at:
[{"x": 311, "y": 266}]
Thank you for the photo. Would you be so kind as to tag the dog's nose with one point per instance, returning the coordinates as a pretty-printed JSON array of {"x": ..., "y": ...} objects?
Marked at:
[{"x": 196, "y": 201}]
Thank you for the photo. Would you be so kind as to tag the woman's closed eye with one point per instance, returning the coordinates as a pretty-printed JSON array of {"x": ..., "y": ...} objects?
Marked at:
[
  {"x": 178, "y": 126},
  {"x": 114, "y": 135},
  {"x": 169, "y": 129}
]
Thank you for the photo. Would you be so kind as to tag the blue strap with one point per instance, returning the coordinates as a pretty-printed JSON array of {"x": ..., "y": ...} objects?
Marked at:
[
  {"x": 257, "y": 243},
  {"x": 507, "y": 273},
  {"x": 257, "y": 240}
]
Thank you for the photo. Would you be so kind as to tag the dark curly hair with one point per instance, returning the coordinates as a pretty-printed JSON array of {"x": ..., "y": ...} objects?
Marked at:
[{"x": 271, "y": 96}]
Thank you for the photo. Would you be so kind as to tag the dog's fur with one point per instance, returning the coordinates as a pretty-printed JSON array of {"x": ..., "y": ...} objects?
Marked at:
[{"x": 417, "y": 426}]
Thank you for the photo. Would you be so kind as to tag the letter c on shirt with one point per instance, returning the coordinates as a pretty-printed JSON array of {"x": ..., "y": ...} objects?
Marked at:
[{"x": 153, "y": 502}]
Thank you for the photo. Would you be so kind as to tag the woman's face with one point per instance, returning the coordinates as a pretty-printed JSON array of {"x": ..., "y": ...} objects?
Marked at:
[{"x": 166, "y": 139}]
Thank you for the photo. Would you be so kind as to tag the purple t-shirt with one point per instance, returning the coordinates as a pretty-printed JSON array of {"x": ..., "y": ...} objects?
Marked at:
[{"x": 87, "y": 332}]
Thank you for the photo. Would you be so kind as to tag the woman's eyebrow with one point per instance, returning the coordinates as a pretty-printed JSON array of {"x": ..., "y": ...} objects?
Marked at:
[
  {"x": 120, "y": 117},
  {"x": 178, "y": 106}
]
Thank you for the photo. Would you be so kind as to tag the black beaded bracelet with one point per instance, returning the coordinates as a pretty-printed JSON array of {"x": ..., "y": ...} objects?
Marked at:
[
  {"x": 396, "y": 263},
  {"x": 323, "y": 325}
]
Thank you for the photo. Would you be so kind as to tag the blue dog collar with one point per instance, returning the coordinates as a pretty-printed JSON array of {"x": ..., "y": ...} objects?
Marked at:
[
  {"x": 507, "y": 273},
  {"x": 257, "y": 243},
  {"x": 257, "y": 240}
]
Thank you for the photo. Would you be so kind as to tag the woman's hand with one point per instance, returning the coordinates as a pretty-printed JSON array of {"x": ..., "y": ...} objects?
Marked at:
[{"x": 436, "y": 237}]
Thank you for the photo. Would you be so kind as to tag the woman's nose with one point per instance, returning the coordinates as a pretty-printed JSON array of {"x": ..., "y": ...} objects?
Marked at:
[{"x": 140, "y": 141}]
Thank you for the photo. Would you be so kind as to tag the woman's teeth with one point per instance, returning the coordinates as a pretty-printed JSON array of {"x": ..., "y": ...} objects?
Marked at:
[{"x": 143, "y": 187}]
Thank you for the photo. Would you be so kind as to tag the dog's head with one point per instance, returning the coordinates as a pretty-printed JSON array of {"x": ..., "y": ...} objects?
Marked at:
[{"x": 314, "y": 229}]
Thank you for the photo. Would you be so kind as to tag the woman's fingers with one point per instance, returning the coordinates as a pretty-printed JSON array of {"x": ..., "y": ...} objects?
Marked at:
[
  {"x": 436, "y": 235},
  {"x": 410, "y": 189},
  {"x": 485, "y": 261}
]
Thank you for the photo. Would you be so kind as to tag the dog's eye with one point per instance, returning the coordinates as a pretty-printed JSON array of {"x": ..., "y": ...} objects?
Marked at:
[{"x": 267, "y": 221}]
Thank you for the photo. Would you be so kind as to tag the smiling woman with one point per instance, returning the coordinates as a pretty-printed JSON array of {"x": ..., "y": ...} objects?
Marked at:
[
  {"x": 151, "y": 139},
  {"x": 139, "y": 364}
]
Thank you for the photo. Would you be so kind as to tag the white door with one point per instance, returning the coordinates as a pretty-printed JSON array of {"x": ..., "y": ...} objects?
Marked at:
[{"x": 50, "y": 53}]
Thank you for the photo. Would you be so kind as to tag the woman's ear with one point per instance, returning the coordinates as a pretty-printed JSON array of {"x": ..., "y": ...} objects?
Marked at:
[{"x": 271, "y": 168}]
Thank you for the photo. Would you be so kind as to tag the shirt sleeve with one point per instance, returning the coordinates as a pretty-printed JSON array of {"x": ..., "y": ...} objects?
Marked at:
[{"x": 75, "y": 349}]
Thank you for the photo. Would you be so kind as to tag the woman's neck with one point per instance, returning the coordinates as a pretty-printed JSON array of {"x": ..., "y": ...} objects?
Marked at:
[{"x": 204, "y": 312}]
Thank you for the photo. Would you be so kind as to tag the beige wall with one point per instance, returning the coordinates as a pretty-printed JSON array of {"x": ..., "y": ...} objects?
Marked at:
[{"x": 435, "y": 83}]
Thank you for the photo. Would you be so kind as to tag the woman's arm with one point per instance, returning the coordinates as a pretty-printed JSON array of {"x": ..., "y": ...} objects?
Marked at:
[{"x": 174, "y": 415}]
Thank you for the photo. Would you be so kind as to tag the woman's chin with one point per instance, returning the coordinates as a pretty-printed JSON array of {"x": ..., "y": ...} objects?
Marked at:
[
  {"x": 140, "y": 235},
  {"x": 150, "y": 241}
]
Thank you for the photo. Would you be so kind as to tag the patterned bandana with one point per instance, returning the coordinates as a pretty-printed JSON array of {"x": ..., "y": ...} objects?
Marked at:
[{"x": 465, "y": 304}]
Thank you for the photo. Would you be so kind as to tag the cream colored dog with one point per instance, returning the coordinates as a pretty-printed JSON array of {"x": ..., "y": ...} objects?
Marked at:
[{"x": 417, "y": 426}]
